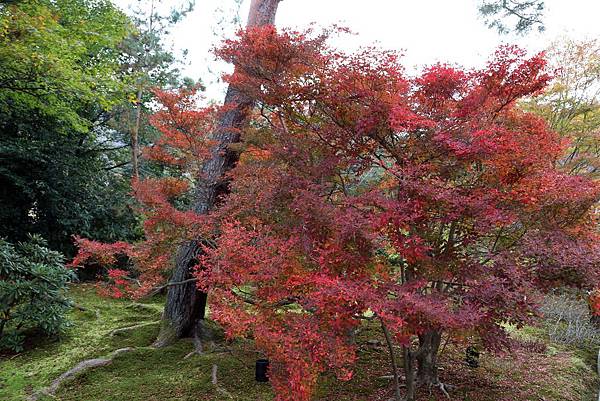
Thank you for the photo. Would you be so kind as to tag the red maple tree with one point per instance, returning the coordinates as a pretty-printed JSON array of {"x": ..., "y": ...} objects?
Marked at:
[
  {"x": 430, "y": 203},
  {"x": 183, "y": 146}
]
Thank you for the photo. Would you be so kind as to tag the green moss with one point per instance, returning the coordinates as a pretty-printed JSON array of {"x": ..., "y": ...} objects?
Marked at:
[
  {"x": 164, "y": 374},
  {"x": 552, "y": 350},
  {"x": 148, "y": 374},
  {"x": 88, "y": 338}
]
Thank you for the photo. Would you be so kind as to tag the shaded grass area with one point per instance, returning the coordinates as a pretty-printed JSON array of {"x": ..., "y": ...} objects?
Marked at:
[
  {"x": 549, "y": 372},
  {"x": 87, "y": 338}
]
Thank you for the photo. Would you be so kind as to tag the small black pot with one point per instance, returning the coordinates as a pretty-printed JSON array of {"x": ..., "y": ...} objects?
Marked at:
[
  {"x": 472, "y": 357},
  {"x": 262, "y": 365}
]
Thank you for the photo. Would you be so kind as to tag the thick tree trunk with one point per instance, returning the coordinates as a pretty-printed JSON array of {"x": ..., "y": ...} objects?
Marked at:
[
  {"x": 185, "y": 305},
  {"x": 420, "y": 365},
  {"x": 429, "y": 345}
]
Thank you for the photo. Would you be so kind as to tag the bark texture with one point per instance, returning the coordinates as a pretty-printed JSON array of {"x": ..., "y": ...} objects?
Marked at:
[
  {"x": 429, "y": 345},
  {"x": 410, "y": 372},
  {"x": 420, "y": 365},
  {"x": 185, "y": 305}
]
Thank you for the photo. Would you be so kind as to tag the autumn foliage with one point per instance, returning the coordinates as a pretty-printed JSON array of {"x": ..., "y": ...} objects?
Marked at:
[
  {"x": 594, "y": 301},
  {"x": 431, "y": 203},
  {"x": 162, "y": 203}
]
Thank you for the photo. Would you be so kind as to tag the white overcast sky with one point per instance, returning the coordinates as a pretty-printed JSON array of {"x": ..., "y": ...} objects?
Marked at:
[{"x": 426, "y": 31}]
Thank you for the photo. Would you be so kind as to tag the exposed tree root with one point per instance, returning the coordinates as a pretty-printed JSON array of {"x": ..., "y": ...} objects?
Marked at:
[
  {"x": 201, "y": 333},
  {"x": 194, "y": 352},
  {"x": 78, "y": 369},
  {"x": 166, "y": 336},
  {"x": 442, "y": 387},
  {"x": 391, "y": 377},
  {"x": 198, "y": 348},
  {"x": 84, "y": 309},
  {"x": 140, "y": 306},
  {"x": 88, "y": 364},
  {"x": 215, "y": 383},
  {"x": 213, "y": 375},
  {"x": 136, "y": 326},
  {"x": 80, "y": 307}
]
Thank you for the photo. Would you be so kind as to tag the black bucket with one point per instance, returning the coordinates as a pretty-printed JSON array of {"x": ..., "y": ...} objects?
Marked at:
[
  {"x": 262, "y": 365},
  {"x": 472, "y": 357}
]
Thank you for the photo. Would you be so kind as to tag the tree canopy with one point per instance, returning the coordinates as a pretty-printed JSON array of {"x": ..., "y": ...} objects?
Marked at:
[
  {"x": 66, "y": 78},
  {"x": 431, "y": 203}
]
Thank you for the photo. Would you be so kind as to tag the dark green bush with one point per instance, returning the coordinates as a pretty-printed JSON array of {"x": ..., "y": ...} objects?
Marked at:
[{"x": 33, "y": 286}]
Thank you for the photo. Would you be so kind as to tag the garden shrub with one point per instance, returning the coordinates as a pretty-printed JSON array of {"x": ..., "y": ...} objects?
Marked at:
[{"x": 33, "y": 286}]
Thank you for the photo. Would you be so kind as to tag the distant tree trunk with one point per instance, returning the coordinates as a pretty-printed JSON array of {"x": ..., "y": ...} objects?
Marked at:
[
  {"x": 135, "y": 132},
  {"x": 185, "y": 305}
]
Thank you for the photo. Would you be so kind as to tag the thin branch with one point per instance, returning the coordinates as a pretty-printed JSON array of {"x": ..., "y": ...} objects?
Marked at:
[
  {"x": 388, "y": 340},
  {"x": 156, "y": 290}
]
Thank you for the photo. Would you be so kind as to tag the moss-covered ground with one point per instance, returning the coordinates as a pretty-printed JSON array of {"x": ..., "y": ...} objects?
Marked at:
[{"x": 539, "y": 371}]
